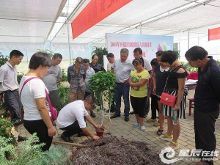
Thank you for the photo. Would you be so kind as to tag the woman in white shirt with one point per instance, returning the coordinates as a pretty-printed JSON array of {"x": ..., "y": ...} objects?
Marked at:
[{"x": 33, "y": 97}]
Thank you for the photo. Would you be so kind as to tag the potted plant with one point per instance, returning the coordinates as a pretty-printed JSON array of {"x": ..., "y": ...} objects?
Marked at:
[{"x": 102, "y": 84}]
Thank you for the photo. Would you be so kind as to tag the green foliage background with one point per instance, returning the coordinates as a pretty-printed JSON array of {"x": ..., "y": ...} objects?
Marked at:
[{"x": 29, "y": 153}]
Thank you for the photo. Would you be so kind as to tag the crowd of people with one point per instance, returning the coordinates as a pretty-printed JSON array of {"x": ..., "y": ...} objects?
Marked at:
[{"x": 141, "y": 83}]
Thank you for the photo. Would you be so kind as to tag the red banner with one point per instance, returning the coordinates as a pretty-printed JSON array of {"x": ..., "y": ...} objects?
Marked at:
[
  {"x": 94, "y": 12},
  {"x": 214, "y": 34}
]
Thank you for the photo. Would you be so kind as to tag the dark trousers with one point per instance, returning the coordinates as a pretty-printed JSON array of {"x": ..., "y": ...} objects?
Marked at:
[
  {"x": 71, "y": 129},
  {"x": 13, "y": 104},
  {"x": 40, "y": 128},
  {"x": 122, "y": 89},
  {"x": 154, "y": 106},
  {"x": 204, "y": 127},
  {"x": 87, "y": 93},
  {"x": 55, "y": 99}
]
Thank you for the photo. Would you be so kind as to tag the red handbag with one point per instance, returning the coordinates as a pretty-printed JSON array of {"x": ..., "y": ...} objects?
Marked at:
[{"x": 168, "y": 99}]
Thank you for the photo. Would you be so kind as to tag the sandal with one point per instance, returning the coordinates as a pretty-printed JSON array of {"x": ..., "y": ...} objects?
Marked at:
[
  {"x": 159, "y": 132},
  {"x": 173, "y": 144}
]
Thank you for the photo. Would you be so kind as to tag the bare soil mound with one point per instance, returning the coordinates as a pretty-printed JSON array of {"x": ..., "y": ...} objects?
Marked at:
[{"x": 111, "y": 150}]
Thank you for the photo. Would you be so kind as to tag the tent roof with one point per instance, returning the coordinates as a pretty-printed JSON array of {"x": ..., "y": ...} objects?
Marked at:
[
  {"x": 32, "y": 20},
  {"x": 27, "y": 20},
  {"x": 197, "y": 19}
]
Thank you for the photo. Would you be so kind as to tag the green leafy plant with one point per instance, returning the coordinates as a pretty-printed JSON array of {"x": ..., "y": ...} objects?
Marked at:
[
  {"x": 19, "y": 76},
  {"x": 3, "y": 60},
  {"x": 189, "y": 67},
  {"x": 63, "y": 93},
  {"x": 29, "y": 153},
  {"x": 100, "y": 52},
  {"x": 64, "y": 75},
  {"x": 5, "y": 128},
  {"x": 103, "y": 84}
]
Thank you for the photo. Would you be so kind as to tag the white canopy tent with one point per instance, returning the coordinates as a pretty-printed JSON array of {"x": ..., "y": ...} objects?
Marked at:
[{"x": 37, "y": 24}]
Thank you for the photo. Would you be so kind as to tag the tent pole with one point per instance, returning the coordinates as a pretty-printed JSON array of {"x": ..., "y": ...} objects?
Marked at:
[
  {"x": 188, "y": 38},
  {"x": 68, "y": 33},
  {"x": 140, "y": 28},
  {"x": 69, "y": 46}
]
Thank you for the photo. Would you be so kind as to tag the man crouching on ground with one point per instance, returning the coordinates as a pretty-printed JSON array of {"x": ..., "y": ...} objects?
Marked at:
[{"x": 72, "y": 119}]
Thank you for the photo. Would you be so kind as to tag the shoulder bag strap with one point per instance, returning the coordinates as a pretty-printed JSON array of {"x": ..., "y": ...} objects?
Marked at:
[
  {"x": 48, "y": 99},
  {"x": 25, "y": 82}
]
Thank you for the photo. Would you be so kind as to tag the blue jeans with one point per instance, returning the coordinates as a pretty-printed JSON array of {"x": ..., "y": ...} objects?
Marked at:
[{"x": 122, "y": 89}]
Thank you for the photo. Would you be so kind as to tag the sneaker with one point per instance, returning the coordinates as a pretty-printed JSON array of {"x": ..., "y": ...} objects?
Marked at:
[
  {"x": 159, "y": 132},
  {"x": 21, "y": 138},
  {"x": 167, "y": 137},
  {"x": 126, "y": 118},
  {"x": 156, "y": 124},
  {"x": 66, "y": 139},
  {"x": 174, "y": 145},
  {"x": 137, "y": 125},
  {"x": 114, "y": 116},
  {"x": 142, "y": 128}
]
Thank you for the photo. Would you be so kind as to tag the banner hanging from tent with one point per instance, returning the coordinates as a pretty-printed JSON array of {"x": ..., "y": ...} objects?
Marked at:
[
  {"x": 94, "y": 12},
  {"x": 149, "y": 44},
  {"x": 214, "y": 34}
]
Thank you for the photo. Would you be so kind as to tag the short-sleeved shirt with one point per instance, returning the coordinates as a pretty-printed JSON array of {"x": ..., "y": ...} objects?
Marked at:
[
  {"x": 136, "y": 77},
  {"x": 74, "y": 111},
  {"x": 76, "y": 80},
  {"x": 52, "y": 77},
  {"x": 33, "y": 89},
  {"x": 172, "y": 80},
  {"x": 122, "y": 70},
  {"x": 8, "y": 78},
  {"x": 110, "y": 66},
  {"x": 146, "y": 64}
]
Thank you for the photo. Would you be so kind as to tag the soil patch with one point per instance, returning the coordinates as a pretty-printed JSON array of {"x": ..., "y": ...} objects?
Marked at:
[{"x": 111, "y": 150}]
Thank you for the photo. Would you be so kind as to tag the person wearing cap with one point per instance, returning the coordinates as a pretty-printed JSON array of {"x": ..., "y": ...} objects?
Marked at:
[
  {"x": 76, "y": 78},
  {"x": 72, "y": 119}
]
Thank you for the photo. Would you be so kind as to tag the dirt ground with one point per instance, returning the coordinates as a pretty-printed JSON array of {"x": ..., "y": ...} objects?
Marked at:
[{"x": 111, "y": 150}]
